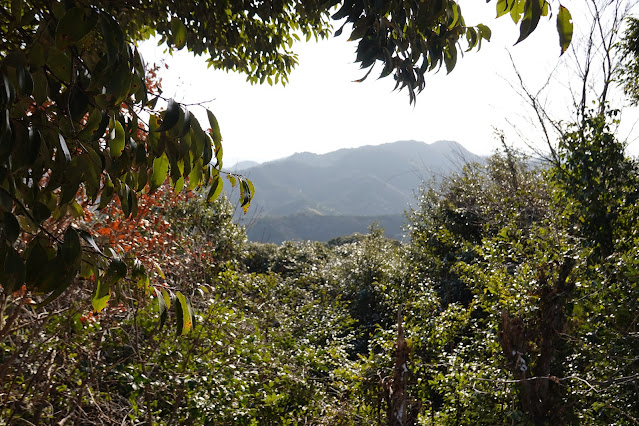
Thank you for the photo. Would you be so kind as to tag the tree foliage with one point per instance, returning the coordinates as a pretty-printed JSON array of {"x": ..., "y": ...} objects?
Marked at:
[{"x": 79, "y": 130}]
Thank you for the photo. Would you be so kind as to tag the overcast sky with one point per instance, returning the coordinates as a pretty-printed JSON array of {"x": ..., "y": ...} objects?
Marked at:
[{"x": 322, "y": 109}]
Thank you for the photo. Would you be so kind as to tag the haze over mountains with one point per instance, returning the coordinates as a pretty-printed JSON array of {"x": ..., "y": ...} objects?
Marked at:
[{"x": 318, "y": 197}]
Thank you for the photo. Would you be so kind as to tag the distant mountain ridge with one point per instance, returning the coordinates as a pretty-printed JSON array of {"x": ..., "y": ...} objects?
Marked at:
[{"x": 373, "y": 180}]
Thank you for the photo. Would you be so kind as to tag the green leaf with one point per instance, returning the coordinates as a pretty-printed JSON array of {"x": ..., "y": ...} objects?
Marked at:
[
  {"x": 11, "y": 227},
  {"x": 60, "y": 65},
  {"x": 86, "y": 236},
  {"x": 216, "y": 188},
  {"x": 116, "y": 140},
  {"x": 107, "y": 192},
  {"x": 517, "y": 9},
  {"x": 120, "y": 84},
  {"x": 74, "y": 26},
  {"x": 101, "y": 295},
  {"x": 36, "y": 56},
  {"x": 178, "y": 30},
  {"x": 71, "y": 249},
  {"x": 25, "y": 80},
  {"x": 35, "y": 142},
  {"x": 450, "y": 57},
  {"x": 564, "y": 28},
  {"x": 41, "y": 212},
  {"x": 104, "y": 123},
  {"x": 163, "y": 309},
  {"x": 160, "y": 171},
  {"x": 113, "y": 37},
  {"x": 484, "y": 32},
  {"x": 502, "y": 7},
  {"x": 532, "y": 14},
  {"x": 215, "y": 128},
  {"x": 195, "y": 177},
  {"x": 247, "y": 191},
  {"x": 36, "y": 263},
  {"x": 171, "y": 116},
  {"x": 65, "y": 149},
  {"x": 115, "y": 272},
  {"x": 183, "y": 313},
  {"x": 14, "y": 272},
  {"x": 40, "y": 87}
]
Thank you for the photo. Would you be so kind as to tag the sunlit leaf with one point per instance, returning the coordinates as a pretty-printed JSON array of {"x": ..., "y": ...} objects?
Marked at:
[
  {"x": 564, "y": 28},
  {"x": 116, "y": 139},
  {"x": 183, "y": 313},
  {"x": 160, "y": 171},
  {"x": 178, "y": 30}
]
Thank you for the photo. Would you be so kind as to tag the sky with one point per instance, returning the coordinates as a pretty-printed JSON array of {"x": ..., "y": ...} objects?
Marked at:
[{"x": 322, "y": 109}]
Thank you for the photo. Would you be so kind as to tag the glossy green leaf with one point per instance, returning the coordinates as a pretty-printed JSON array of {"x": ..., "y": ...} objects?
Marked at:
[
  {"x": 40, "y": 87},
  {"x": 107, "y": 192},
  {"x": 564, "y": 28},
  {"x": 247, "y": 191},
  {"x": 65, "y": 149},
  {"x": 160, "y": 171},
  {"x": 60, "y": 65},
  {"x": 25, "y": 80},
  {"x": 178, "y": 30},
  {"x": 115, "y": 272},
  {"x": 41, "y": 212},
  {"x": 484, "y": 32},
  {"x": 171, "y": 116},
  {"x": 503, "y": 7},
  {"x": 10, "y": 226},
  {"x": 116, "y": 139},
  {"x": 78, "y": 103},
  {"x": 120, "y": 84},
  {"x": 195, "y": 177},
  {"x": 36, "y": 263},
  {"x": 216, "y": 188},
  {"x": 102, "y": 127},
  {"x": 34, "y": 144},
  {"x": 36, "y": 56},
  {"x": 71, "y": 249},
  {"x": 532, "y": 14},
  {"x": 101, "y": 295},
  {"x": 215, "y": 128},
  {"x": 74, "y": 25},
  {"x": 184, "y": 314},
  {"x": 517, "y": 10},
  {"x": 86, "y": 236},
  {"x": 113, "y": 37}
]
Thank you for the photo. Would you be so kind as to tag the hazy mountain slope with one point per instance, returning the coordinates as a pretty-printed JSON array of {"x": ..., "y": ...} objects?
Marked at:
[{"x": 365, "y": 181}]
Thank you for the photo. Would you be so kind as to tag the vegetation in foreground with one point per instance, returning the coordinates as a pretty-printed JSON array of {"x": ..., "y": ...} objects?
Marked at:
[{"x": 513, "y": 303}]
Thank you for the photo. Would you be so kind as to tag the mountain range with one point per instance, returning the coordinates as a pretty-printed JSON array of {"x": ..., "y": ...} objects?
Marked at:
[{"x": 322, "y": 196}]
